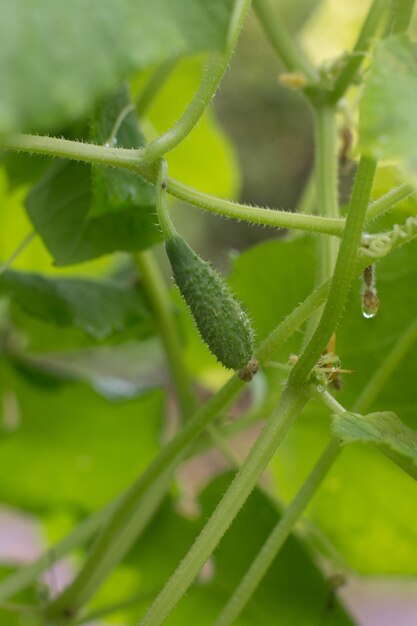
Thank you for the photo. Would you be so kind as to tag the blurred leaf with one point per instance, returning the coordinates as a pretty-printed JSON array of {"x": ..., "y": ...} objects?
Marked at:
[
  {"x": 385, "y": 431},
  {"x": 72, "y": 448},
  {"x": 59, "y": 205},
  {"x": 76, "y": 52},
  {"x": 293, "y": 592},
  {"x": 115, "y": 190},
  {"x": 99, "y": 308},
  {"x": 333, "y": 28},
  {"x": 388, "y": 127},
  {"x": 117, "y": 372}
]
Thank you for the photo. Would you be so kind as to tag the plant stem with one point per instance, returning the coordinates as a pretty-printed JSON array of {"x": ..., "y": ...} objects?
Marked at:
[
  {"x": 133, "y": 160},
  {"x": 344, "y": 273},
  {"x": 213, "y": 75},
  {"x": 165, "y": 223},
  {"x": 156, "y": 291},
  {"x": 255, "y": 215},
  {"x": 368, "y": 31},
  {"x": 389, "y": 200},
  {"x": 326, "y": 168},
  {"x": 283, "y": 44},
  {"x": 326, "y": 179},
  {"x": 403, "y": 11},
  {"x": 389, "y": 364},
  {"x": 228, "y": 507},
  {"x": 277, "y": 538}
]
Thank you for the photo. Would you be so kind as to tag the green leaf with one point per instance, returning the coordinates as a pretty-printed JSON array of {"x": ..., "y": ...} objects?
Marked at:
[
  {"x": 76, "y": 51},
  {"x": 99, "y": 308},
  {"x": 72, "y": 448},
  {"x": 115, "y": 189},
  {"x": 59, "y": 209},
  {"x": 294, "y": 591},
  {"x": 388, "y": 125},
  {"x": 385, "y": 431}
]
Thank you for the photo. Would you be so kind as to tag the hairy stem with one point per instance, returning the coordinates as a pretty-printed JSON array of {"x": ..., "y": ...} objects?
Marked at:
[
  {"x": 133, "y": 160},
  {"x": 344, "y": 273}
]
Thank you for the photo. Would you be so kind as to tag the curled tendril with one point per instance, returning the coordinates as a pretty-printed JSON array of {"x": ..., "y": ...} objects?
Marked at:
[{"x": 377, "y": 246}]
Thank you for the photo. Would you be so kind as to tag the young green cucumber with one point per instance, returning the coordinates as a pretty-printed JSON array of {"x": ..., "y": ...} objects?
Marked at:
[{"x": 219, "y": 317}]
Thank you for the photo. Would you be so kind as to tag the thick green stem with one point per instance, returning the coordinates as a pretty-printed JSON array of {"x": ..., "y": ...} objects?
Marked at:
[
  {"x": 327, "y": 201},
  {"x": 227, "y": 509},
  {"x": 368, "y": 31},
  {"x": 156, "y": 290},
  {"x": 344, "y": 273},
  {"x": 277, "y": 538},
  {"x": 283, "y": 44},
  {"x": 213, "y": 75},
  {"x": 326, "y": 168}
]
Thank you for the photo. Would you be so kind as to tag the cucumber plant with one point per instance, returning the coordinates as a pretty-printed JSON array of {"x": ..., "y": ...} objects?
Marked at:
[{"x": 321, "y": 346}]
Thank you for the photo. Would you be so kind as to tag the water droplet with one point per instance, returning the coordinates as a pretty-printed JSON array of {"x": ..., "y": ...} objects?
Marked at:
[
  {"x": 370, "y": 304},
  {"x": 112, "y": 143}
]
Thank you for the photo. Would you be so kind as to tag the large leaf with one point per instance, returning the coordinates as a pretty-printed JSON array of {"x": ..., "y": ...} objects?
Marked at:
[
  {"x": 72, "y": 448},
  {"x": 373, "y": 503},
  {"x": 388, "y": 126},
  {"x": 385, "y": 431},
  {"x": 293, "y": 593},
  {"x": 99, "y": 308},
  {"x": 77, "y": 51}
]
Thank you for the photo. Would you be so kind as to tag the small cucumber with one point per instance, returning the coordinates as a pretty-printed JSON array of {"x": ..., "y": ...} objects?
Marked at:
[{"x": 219, "y": 317}]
